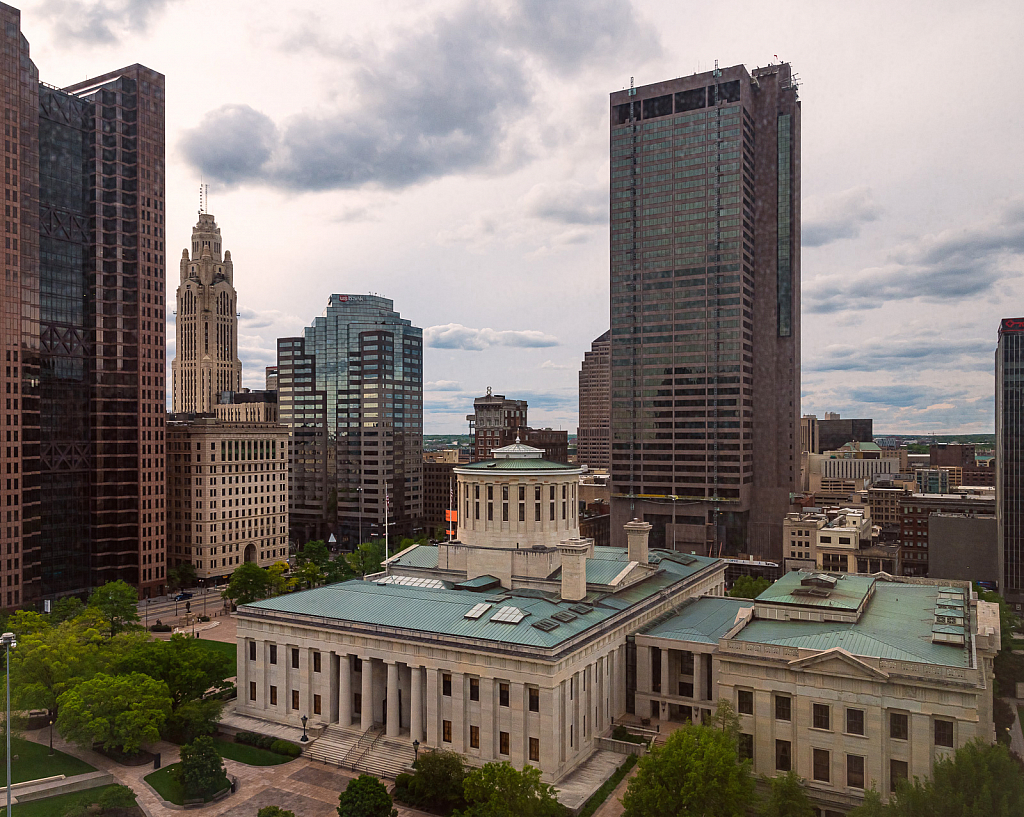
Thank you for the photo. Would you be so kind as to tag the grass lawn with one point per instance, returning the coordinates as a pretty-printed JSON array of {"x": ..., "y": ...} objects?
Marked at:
[
  {"x": 34, "y": 761},
  {"x": 60, "y": 805},
  {"x": 230, "y": 650},
  {"x": 252, "y": 755},
  {"x": 168, "y": 788}
]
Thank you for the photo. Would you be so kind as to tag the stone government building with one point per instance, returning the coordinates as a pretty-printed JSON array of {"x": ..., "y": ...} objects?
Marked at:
[{"x": 521, "y": 641}]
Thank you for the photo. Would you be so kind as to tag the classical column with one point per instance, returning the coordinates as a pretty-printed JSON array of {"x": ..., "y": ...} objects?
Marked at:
[
  {"x": 517, "y": 730},
  {"x": 416, "y": 712},
  {"x": 393, "y": 709},
  {"x": 487, "y": 707},
  {"x": 433, "y": 716},
  {"x": 345, "y": 693},
  {"x": 366, "y": 718}
]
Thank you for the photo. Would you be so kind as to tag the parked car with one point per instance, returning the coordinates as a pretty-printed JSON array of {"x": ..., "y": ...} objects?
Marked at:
[{"x": 183, "y": 596}]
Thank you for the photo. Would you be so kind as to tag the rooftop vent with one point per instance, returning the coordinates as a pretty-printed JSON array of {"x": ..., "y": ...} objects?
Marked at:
[
  {"x": 564, "y": 616},
  {"x": 546, "y": 624},
  {"x": 582, "y": 609},
  {"x": 819, "y": 580},
  {"x": 817, "y": 592}
]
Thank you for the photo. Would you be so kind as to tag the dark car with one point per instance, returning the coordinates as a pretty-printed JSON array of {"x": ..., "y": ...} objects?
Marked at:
[{"x": 182, "y": 596}]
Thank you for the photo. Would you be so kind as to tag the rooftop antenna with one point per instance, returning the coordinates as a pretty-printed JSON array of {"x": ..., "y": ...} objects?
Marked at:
[
  {"x": 200, "y": 195},
  {"x": 206, "y": 198}
]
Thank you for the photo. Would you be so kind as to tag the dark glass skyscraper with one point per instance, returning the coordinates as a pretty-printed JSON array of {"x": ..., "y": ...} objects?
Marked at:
[
  {"x": 1010, "y": 459},
  {"x": 705, "y": 308},
  {"x": 351, "y": 390}
]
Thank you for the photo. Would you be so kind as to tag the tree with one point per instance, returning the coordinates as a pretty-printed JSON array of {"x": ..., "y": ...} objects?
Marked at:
[
  {"x": 117, "y": 797},
  {"x": 695, "y": 772},
  {"x": 248, "y": 583},
  {"x": 726, "y": 720},
  {"x": 120, "y": 711},
  {"x": 274, "y": 811},
  {"x": 315, "y": 552},
  {"x": 201, "y": 771},
  {"x": 65, "y": 609},
  {"x": 119, "y": 604},
  {"x": 367, "y": 558},
  {"x": 309, "y": 574},
  {"x": 279, "y": 583},
  {"x": 500, "y": 790},
  {"x": 747, "y": 587},
  {"x": 787, "y": 798},
  {"x": 365, "y": 796},
  {"x": 181, "y": 575},
  {"x": 438, "y": 782}
]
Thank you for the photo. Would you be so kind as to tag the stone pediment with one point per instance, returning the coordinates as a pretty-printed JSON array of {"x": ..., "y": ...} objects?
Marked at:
[{"x": 838, "y": 661}]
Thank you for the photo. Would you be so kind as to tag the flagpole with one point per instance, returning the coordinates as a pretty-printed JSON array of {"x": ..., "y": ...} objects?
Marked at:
[
  {"x": 387, "y": 523},
  {"x": 451, "y": 501}
]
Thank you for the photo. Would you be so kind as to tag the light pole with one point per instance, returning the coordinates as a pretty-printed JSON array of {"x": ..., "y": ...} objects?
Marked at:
[
  {"x": 147, "y": 613},
  {"x": 51, "y": 735},
  {"x": 359, "y": 492},
  {"x": 8, "y": 641},
  {"x": 304, "y": 739}
]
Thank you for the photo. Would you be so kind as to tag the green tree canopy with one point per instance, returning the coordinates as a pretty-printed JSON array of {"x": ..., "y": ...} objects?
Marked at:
[
  {"x": 119, "y": 604},
  {"x": 695, "y": 772},
  {"x": 201, "y": 770},
  {"x": 274, "y": 811},
  {"x": 279, "y": 583},
  {"x": 66, "y": 608},
  {"x": 119, "y": 711},
  {"x": 500, "y": 790},
  {"x": 367, "y": 558},
  {"x": 248, "y": 583},
  {"x": 315, "y": 552},
  {"x": 747, "y": 587},
  {"x": 787, "y": 798},
  {"x": 365, "y": 796},
  {"x": 438, "y": 782},
  {"x": 182, "y": 575}
]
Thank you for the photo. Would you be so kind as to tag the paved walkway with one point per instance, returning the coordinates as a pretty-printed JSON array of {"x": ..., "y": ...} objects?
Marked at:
[{"x": 612, "y": 807}]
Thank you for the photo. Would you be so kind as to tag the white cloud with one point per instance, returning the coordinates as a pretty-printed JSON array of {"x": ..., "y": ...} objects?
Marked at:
[
  {"x": 457, "y": 336},
  {"x": 443, "y": 385}
]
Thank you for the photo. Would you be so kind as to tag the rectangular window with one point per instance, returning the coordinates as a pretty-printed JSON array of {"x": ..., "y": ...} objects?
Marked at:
[
  {"x": 252, "y": 690},
  {"x": 295, "y": 699},
  {"x": 490, "y": 492},
  {"x": 504, "y": 512},
  {"x": 820, "y": 765},
  {"x": 295, "y": 658},
  {"x": 273, "y": 653},
  {"x": 474, "y": 737},
  {"x": 536, "y": 493},
  {"x": 252, "y": 650},
  {"x": 552, "y": 496},
  {"x": 944, "y": 733},
  {"x": 504, "y": 492},
  {"x": 898, "y": 770},
  {"x": 522, "y": 493},
  {"x": 446, "y": 731},
  {"x": 316, "y": 704},
  {"x": 446, "y": 685},
  {"x": 855, "y": 721},
  {"x": 746, "y": 746},
  {"x": 273, "y": 696},
  {"x": 783, "y": 708},
  {"x": 503, "y": 743},
  {"x": 316, "y": 662},
  {"x": 821, "y": 718},
  {"x": 535, "y": 749},
  {"x": 783, "y": 756},
  {"x": 745, "y": 702},
  {"x": 534, "y": 699},
  {"x": 522, "y": 512},
  {"x": 476, "y": 510},
  {"x": 899, "y": 727},
  {"x": 536, "y": 512},
  {"x": 474, "y": 689},
  {"x": 503, "y": 694},
  {"x": 552, "y": 509},
  {"x": 855, "y": 771},
  {"x": 490, "y": 511}
]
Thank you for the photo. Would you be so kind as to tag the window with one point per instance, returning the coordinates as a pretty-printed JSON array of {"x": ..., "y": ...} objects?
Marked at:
[
  {"x": 474, "y": 737},
  {"x": 855, "y": 771},
  {"x": 522, "y": 512},
  {"x": 490, "y": 511},
  {"x": 536, "y": 512},
  {"x": 316, "y": 662},
  {"x": 898, "y": 770},
  {"x": 316, "y": 704},
  {"x": 503, "y": 743},
  {"x": 783, "y": 707},
  {"x": 855, "y": 721},
  {"x": 745, "y": 702},
  {"x": 783, "y": 756},
  {"x": 446, "y": 685},
  {"x": 474, "y": 689},
  {"x": 446, "y": 731},
  {"x": 295, "y": 699},
  {"x": 503, "y": 694},
  {"x": 821, "y": 716},
  {"x": 252, "y": 650},
  {"x": 504, "y": 492},
  {"x": 535, "y": 749},
  {"x": 273, "y": 696},
  {"x": 522, "y": 492},
  {"x": 820, "y": 765},
  {"x": 273, "y": 653},
  {"x": 898, "y": 726},
  {"x": 534, "y": 699},
  {"x": 746, "y": 746},
  {"x": 252, "y": 690},
  {"x": 295, "y": 658},
  {"x": 944, "y": 733}
]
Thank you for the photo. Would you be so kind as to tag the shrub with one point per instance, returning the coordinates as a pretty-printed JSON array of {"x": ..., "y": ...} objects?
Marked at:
[
  {"x": 623, "y": 734},
  {"x": 160, "y": 628},
  {"x": 285, "y": 747},
  {"x": 201, "y": 771},
  {"x": 117, "y": 797},
  {"x": 254, "y": 739},
  {"x": 204, "y": 618}
]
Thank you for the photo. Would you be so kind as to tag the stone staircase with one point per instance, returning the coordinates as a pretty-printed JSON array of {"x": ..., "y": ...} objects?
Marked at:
[{"x": 364, "y": 752}]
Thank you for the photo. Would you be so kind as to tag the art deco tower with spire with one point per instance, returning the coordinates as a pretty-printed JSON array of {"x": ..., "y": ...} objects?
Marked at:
[{"x": 206, "y": 354}]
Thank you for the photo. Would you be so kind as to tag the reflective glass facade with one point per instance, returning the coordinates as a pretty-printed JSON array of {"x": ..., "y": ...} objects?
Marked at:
[{"x": 1010, "y": 459}]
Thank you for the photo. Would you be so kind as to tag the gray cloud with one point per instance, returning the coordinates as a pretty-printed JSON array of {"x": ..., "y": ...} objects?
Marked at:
[
  {"x": 100, "y": 22},
  {"x": 904, "y": 395},
  {"x": 946, "y": 267},
  {"x": 442, "y": 385},
  {"x": 457, "y": 336},
  {"x": 840, "y": 216},
  {"x": 927, "y": 348},
  {"x": 568, "y": 202},
  {"x": 441, "y": 100}
]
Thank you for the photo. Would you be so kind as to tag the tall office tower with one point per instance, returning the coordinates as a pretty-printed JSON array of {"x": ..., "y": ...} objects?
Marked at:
[
  {"x": 206, "y": 353},
  {"x": 1010, "y": 459},
  {"x": 351, "y": 390},
  {"x": 593, "y": 437},
  {"x": 494, "y": 422},
  {"x": 705, "y": 308}
]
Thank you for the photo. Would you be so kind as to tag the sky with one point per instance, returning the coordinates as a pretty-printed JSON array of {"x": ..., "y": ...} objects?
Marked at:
[{"x": 452, "y": 155}]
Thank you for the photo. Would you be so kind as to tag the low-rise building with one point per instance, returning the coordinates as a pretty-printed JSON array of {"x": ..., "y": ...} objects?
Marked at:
[
  {"x": 914, "y": 529},
  {"x": 963, "y": 546}
]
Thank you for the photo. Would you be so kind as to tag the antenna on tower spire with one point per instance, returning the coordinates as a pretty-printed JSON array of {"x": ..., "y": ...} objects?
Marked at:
[{"x": 200, "y": 195}]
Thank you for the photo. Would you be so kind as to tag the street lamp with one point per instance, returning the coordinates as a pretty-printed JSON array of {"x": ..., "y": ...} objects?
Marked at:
[
  {"x": 147, "y": 613},
  {"x": 304, "y": 739},
  {"x": 8, "y": 640}
]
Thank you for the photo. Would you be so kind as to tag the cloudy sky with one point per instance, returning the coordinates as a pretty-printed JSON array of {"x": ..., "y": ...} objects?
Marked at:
[{"x": 452, "y": 155}]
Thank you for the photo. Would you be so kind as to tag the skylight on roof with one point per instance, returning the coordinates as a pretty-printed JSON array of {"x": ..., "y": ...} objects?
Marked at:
[
  {"x": 546, "y": 625},
  {"x": 509, "y": 615},
  {"x": 478, "y": 610},
  {"x": 413, "y": 581}
]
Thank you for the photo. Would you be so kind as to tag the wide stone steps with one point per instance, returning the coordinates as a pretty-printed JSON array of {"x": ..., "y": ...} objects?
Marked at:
[
  {"x": 333, "y": 745},
  {"x": 364, "y": 752}
]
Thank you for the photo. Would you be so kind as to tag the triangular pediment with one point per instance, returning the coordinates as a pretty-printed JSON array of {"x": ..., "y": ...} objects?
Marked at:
[{"x": 838, "y": 661}]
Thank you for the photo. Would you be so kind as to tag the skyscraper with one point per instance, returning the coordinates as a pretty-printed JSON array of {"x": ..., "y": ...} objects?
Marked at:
[
  {"x": 1010, "y": 459},
  {"x": 351, "y": 391},
  {"x": 593, "y": 437},
  {"x": 206, "y": 353},
  {"x": 705, "y": 308}
]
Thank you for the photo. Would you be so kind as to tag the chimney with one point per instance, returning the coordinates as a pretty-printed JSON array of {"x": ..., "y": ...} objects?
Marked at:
[
  {"x": 574, "y": 568},
  {"x": 636, "y": 536}
]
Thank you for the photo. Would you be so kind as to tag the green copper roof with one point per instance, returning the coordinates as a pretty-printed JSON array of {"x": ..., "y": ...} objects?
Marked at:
[
  {"x": 517, "y": 464},
  {"x": 704, "y": 621},
  {"x": 848, "y": 593}
]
